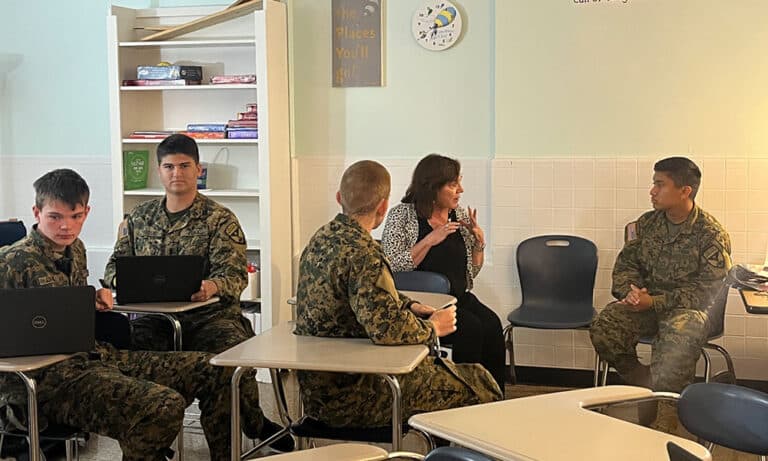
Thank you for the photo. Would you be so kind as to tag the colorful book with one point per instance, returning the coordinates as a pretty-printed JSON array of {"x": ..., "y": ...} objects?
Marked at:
[
  {"x": 205, "y": 134},
  {"x": 247, "y": 115},
  {"x": 147, "y": 82},
  {"x": 206, "y": 127},
  {"x": 243, "y": 134},
  {"x": 150, "y": 134},
  {"x": 229, "y": 79}
]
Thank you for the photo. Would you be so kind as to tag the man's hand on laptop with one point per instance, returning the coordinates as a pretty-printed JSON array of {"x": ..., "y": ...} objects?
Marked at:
[
  {"x": 208, "y": 289},
  {"x": 104, "y": 299}
]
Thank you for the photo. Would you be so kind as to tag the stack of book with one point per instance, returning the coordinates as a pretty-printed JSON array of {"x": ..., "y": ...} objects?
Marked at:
[
  {"x": 206, "y": 130},
  {"x": 166, "y": 75},
  {"x": 247, "y": 124}
]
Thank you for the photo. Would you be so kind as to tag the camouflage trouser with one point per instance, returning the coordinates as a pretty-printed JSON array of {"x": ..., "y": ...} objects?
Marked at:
[
  {"x": 206, "y": 332},
  {"x": 678, "y": 336},
  {"x": 138, "y": 398},
  {"x": 341, "y": 400}
]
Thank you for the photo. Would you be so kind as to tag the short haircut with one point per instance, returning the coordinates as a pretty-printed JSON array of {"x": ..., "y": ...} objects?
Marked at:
[
  {"x": 432, "y": 173},
  {"x": 178, "y": 144},
  {"x": 682, "y": 171},
  {"x": 363, "y": 186},
  {"x": 63, "y": 185}
]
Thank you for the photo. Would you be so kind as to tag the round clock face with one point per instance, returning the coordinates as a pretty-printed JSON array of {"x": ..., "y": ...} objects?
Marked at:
[{"x": 436, "y": 25}]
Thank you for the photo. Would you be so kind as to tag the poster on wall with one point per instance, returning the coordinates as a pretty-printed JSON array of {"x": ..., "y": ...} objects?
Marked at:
[{"x": 356, "y": 43}]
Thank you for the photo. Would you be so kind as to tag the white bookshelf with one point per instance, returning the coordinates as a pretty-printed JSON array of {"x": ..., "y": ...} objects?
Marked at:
[{"x": 249, "y": 176}]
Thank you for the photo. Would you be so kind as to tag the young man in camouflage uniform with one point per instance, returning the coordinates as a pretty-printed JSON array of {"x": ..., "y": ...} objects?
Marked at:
[
  {"x": 137, "y": 398},
  {"x": 346, "y": 289},
  {"x": 671, "y": 268},
  {"x": 185, "y": 222}
]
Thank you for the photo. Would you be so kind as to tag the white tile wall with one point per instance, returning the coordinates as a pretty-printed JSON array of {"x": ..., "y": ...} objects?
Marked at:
[{"x": 593, "y": 197}]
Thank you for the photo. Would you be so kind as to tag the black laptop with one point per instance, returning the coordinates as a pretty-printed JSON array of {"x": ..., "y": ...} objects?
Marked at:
[
  {"x": 39, "y": 321},
  {"x": 143, "y": 279}
]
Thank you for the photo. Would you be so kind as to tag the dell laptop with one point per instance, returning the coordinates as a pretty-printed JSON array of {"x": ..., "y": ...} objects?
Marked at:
[
  {"x": 143, "y": 279},
  {"x": 49, "y": 320}
]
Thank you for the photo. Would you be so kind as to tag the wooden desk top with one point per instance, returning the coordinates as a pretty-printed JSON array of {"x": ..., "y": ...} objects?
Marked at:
[
  {"x": 280, "y": 348},
  {"x": 554, "y": 427},
  {"x": 436, "y": 300},
  {"x": 31, "y": 362},
  {"x": 756, "y": 302},
  {"x": 337, "y": 452},
  {"x": 175, "y": 307}
]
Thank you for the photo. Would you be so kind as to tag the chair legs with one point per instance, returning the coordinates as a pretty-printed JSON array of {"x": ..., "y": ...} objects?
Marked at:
[
  {"x": 70, "y": 446},
  {"x": 510, "y": 343},
  {"x": 725, "y": 376}
]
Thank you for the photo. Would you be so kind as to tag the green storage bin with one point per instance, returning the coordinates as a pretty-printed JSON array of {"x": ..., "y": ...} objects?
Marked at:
[{"x": 135, "y": 169}]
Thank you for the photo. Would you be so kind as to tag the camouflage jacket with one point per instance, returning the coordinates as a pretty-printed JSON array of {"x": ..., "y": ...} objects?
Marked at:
[
  {"x": 208, "y": 230},
  {"x": 680, "y": 272},
  {"x": 30, "y": 263},
  {"x": 346, "y": 290}
]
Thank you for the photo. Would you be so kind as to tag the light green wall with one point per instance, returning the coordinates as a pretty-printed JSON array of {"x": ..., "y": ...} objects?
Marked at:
[
  {"x": 431, "y": 101},
  {"x": 55, "y": 100},
  {"x": 641, "y": 77}
]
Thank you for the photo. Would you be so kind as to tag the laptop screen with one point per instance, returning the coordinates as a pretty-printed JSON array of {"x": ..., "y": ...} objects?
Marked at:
[
  {"x": 142, "y": 279},
  {"x": 48, "y": 320}
]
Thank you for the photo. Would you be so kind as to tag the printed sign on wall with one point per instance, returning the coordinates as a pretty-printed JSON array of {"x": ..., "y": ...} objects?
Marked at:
[{"x": 356, "y": 43}]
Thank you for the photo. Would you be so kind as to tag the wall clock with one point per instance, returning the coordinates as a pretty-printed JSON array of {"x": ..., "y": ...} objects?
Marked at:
[{"x": 436, "y": 24}]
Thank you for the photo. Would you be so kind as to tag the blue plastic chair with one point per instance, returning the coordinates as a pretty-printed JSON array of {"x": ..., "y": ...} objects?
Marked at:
[
  {"x": 11, "y": 231},
  {"x": 557, "y": 277},
  {"x": 432, "y": 282},
  {"x": 728, "y": 415}
]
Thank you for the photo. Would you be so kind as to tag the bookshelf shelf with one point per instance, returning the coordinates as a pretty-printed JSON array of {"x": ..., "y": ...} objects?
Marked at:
[
  {"x": 251, "y": 177},
  {"x": 190, "y": 43},
  {"x": 228, "y": 86},
  {"x": 199, "y": 141}
]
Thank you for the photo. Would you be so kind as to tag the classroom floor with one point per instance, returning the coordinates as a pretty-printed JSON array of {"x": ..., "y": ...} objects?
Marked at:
[{"x": 105, "y": 449}]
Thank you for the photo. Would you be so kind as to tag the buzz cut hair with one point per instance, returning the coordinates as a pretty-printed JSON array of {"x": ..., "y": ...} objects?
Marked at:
[
  {"x": 363, "y": 186},
  {"x": 63, "y": 185},
  {"x": 682, "y": 171},
  {"x": 178, "y": 144}
]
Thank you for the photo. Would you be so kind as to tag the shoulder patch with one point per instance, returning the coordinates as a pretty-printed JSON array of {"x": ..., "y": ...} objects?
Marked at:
[
  {"x": 386, "y": 282},
  {"x": 234, "y": 233},
  {"x": 714, "y": 256},
  {"x": 630, "y": 232},
  {"x": 122, "y": 228}
]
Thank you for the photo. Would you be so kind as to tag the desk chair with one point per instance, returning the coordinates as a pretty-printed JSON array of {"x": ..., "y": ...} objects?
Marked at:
[
  {"x": 716, "y": 313},
  {"x": 557, "y": 277},
  {"x": 454, "y": 454},
  {"x": 307, "y": 428},
  {"x": 728, "y": 415},
  {"x": 432, "y": 282},
  {"x": 11, "y": 231}
]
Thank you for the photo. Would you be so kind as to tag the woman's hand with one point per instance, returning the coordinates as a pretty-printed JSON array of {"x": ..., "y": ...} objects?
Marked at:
[
  {"x": 474, "y": 228},
  {"x": 440, "y": 233}
]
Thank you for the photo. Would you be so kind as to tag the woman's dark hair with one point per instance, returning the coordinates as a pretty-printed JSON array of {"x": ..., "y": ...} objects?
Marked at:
[{"x": 432, "y": 173}]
